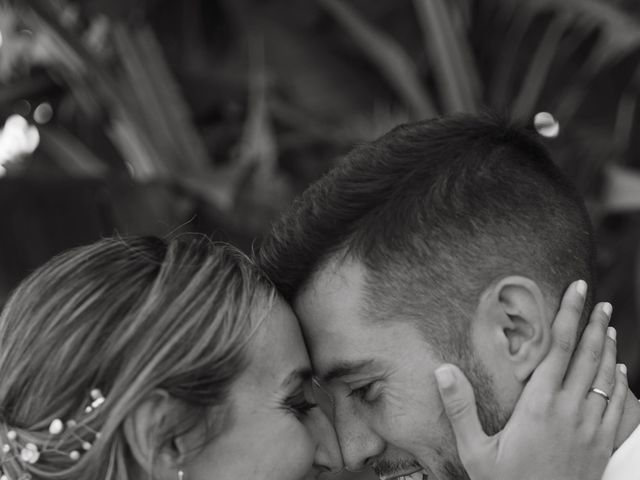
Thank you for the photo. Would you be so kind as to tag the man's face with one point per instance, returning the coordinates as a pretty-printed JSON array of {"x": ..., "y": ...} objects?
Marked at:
[{"x": 387, "y": 410}]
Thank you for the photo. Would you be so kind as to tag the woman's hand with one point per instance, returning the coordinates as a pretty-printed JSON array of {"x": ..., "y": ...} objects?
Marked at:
[{"x": 560, "y": 429}]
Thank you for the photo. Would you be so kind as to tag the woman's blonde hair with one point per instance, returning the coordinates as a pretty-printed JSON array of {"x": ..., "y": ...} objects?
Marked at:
[{"x": 126, "y": 316}]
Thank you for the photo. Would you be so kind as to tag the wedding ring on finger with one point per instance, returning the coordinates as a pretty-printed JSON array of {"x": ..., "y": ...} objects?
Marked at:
[{"x": 602, "y": 393}]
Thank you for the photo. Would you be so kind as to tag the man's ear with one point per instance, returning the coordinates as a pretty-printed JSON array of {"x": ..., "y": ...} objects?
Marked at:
[
  {"x": 149, "y": 432},
  {"x": 516, "y": 313}
]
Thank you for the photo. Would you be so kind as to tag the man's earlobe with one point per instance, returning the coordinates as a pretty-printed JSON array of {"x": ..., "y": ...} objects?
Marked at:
[{"x": 525, "y": 326}]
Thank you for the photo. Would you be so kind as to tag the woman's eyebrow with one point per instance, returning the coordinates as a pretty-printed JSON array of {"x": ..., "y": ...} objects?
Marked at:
[{"x": 299, "y": 375}]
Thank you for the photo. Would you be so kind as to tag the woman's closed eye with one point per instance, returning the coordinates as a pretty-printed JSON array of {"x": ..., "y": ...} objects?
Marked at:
[{"x": 299, "y": 405}]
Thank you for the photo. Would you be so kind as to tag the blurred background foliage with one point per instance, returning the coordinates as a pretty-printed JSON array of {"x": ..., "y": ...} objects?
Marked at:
[{"x": 158, "y": 116}]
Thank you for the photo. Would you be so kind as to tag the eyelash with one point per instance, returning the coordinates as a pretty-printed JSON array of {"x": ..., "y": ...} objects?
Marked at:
[
  {"x": 299, "y": 405},
  {"x": 361, "y": 392}
]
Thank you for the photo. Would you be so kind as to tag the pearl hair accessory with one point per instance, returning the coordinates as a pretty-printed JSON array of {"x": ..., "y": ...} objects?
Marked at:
[
  {"x": 28, "y": 453},
  {"x": 546, "y": 125}
]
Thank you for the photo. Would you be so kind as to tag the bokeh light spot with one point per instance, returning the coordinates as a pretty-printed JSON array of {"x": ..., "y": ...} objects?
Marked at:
[
  {"x": 43, "y": 113},
  {"x": 546, "y": 125},
  {"x": 17, "y": 139}
]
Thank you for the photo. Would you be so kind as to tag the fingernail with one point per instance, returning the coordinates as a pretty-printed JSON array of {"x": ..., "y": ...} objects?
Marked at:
[
  {"x": 611, "y": 333},
  {"x": 581, "y": 287},
  {"x": 607, "y": 308},
  {"x": 445, "y": 377},
  {"x": 623, "y": 368}
]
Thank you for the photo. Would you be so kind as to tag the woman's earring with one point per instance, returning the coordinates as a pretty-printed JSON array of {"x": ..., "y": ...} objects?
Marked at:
[{"x": 180, "y": 475}]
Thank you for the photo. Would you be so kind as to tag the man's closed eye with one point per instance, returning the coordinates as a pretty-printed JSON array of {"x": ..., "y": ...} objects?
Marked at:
[{"x": 368, "y": 392}]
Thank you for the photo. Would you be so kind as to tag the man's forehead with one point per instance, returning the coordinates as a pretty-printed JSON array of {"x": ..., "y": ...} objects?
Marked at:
[
  {"x": 329, "y": 311},
  {"x": 335, "y": 274},
  {"x": 332, "y": 295}
]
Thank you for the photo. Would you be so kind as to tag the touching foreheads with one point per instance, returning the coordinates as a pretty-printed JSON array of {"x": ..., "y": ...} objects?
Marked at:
[{"x": 436, "y": 210}]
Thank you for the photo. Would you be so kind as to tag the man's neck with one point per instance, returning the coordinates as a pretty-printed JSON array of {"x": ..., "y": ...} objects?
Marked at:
[{"x": 630, "y": 419}]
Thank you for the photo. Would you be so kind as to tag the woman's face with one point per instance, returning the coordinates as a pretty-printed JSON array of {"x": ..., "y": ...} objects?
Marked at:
[{"x": 275, "y": 431}]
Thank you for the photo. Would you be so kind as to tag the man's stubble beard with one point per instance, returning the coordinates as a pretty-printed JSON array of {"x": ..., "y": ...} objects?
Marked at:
[{"x": 492, "y": 415}]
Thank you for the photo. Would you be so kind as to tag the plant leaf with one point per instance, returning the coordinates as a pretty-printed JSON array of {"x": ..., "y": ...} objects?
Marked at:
[
  {"x": 622, "y": 193},
  {"x": 72, "y": 156},
  {"x": 538, "y": 69},
  {"x": 457, "y": 78},
  {"x": 619, "y": 32},
  {"x": 391, "y": 59},
  {"x": 258, "y": 145},
  {"x": 626, "y": 112}
]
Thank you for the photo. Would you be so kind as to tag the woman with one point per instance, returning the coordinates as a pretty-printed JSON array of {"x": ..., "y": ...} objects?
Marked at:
[
  {"x": 145, "y": 359},
  {"x": 142, "y": 358}
]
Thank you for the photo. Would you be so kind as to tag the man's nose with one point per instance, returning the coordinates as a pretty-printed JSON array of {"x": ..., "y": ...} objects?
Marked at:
[{"x": 359, "y": 443}]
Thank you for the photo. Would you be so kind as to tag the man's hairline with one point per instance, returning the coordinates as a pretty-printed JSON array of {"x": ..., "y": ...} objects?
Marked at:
[
  {"x": 335, "y": 258},
  {"x": 338, "y": 258}
]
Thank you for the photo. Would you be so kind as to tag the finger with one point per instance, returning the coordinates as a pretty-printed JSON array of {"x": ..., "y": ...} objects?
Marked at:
[
  {"x": 587, "y": 359},
  {"x": 460, "y": 406},
  {"x": 613, "y": 414},
  {"x": 552, "y": 369},
  {"x": 605, "y": 380}
]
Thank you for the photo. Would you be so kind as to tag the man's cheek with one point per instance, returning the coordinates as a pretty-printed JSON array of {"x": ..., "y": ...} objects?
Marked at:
[
  {"x": 397, "y": 407},
  {"x": 418, "y": 404},
  {"x": 406, "y": 417}
]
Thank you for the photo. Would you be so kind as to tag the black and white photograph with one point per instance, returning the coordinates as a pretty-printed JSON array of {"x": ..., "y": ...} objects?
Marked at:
[{"x": 319, "y": 239}]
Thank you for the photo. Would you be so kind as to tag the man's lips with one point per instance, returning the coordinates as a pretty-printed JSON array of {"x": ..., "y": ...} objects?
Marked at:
[{"x": 418, "y": 474}]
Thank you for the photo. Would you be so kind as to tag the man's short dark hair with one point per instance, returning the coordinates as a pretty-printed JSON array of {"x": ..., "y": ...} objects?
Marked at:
[{"x": 436, "y": 210}]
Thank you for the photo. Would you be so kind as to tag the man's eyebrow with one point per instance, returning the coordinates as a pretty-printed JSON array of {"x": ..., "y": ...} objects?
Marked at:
[
  {"x": 298, "y": 375},
  {"x": 345, "y": 368}
]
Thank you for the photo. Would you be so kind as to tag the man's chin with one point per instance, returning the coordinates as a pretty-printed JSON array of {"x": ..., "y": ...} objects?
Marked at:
[
  {"x": 453, "y": 471},
  {"x": 443, "y": 469}
]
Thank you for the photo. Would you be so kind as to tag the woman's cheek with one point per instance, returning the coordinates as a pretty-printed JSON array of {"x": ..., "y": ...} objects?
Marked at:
[{"x": 299, "y": 450}]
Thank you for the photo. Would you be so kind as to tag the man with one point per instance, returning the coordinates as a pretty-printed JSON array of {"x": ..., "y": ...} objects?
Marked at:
[{"x": 444, "y": 241}]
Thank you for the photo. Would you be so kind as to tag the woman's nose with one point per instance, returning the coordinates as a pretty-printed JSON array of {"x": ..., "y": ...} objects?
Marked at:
[{"x": 327, "y": 455}]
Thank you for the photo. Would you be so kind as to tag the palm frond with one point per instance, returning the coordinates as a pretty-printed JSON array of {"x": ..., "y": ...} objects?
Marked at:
[
  {"x": 619, "y": 34},
  {"x": 538, "y": 69},
  {"x": 394, "y": 63},
  {"x": 625, "y": 114},
  {"x": 622, "y": 191},
  {"x": 258, "y": 144},
  {"x": 450, "y": 54},
  {"x": 70, "y": 154}
]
